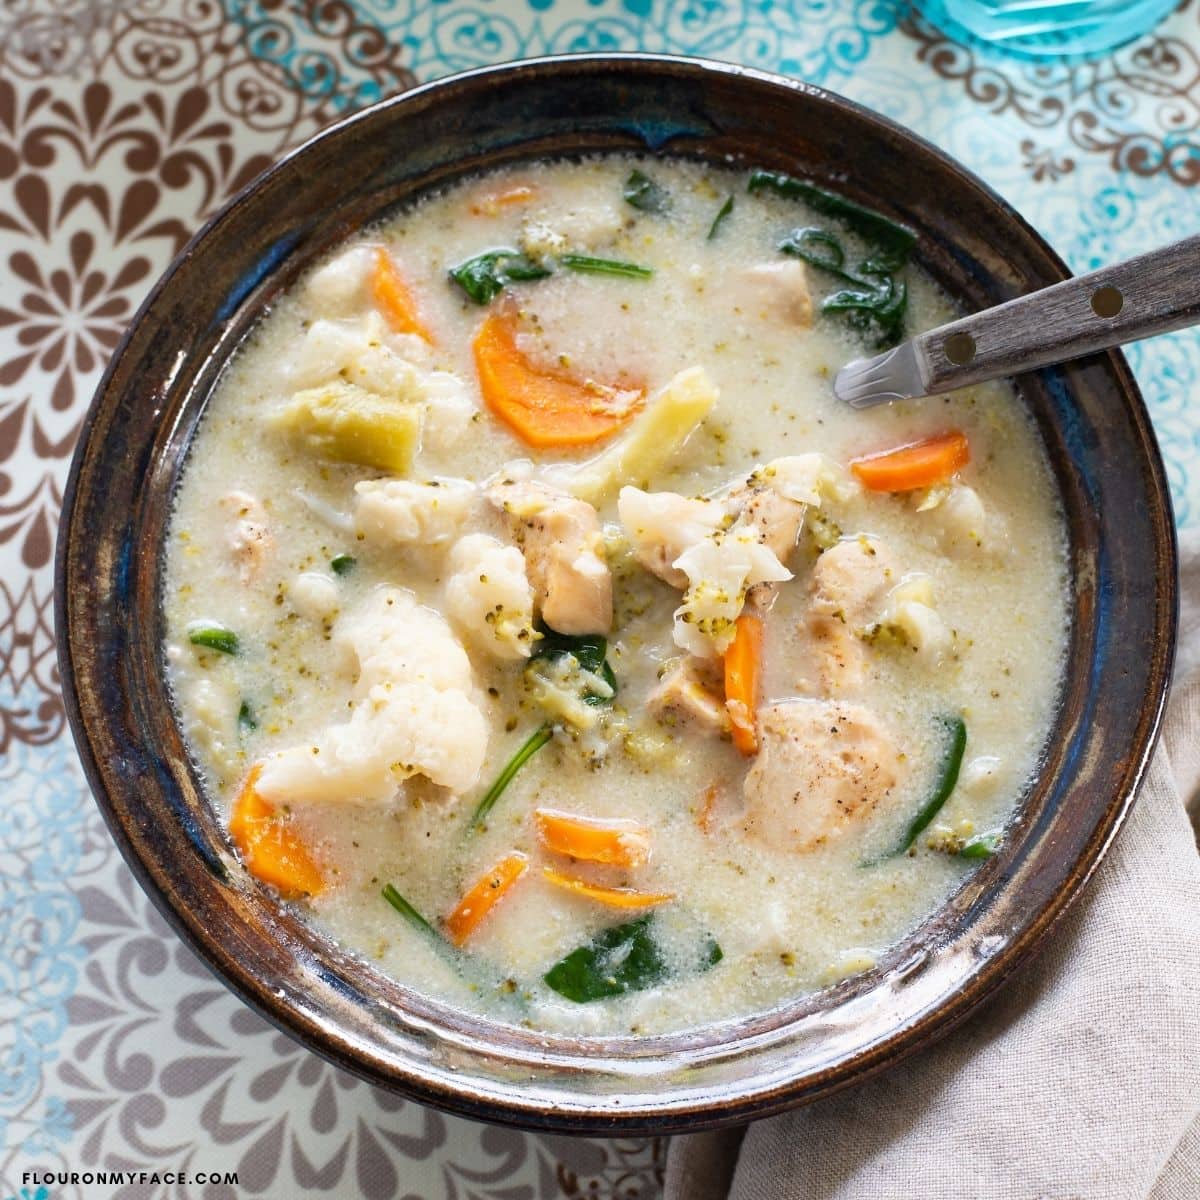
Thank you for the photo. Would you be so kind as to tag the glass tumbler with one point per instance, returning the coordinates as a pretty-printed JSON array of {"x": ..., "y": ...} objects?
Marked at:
[{"x": 1046, "y": 28}]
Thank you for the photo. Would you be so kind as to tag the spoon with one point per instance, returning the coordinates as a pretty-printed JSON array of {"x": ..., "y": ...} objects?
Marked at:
[{"x": 1154, "y": 293}]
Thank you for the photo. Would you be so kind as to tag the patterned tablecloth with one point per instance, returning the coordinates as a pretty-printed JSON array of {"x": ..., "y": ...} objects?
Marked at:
[{"x": 123, "y": 123}]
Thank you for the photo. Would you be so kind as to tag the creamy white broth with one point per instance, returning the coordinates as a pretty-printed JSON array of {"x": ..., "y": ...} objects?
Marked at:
[{"x": 786, "y": 921}]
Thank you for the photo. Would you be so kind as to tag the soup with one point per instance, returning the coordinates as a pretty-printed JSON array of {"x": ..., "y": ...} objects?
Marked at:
[{"x": 549, "y": 634}]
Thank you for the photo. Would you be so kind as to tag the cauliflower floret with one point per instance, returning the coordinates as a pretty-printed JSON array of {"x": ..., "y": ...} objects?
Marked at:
[
  {"x": 911, "y": 615},
  {"x": 450, "y": 409},
  {"x": 560, "y": 686},
  {"x": 364, "y": 351},
  {"x": 662, "y": 525},
  {"x": 424, "y": 514},
  {"x": 490, "y": 597},
  {"x": 212, "y": 720},
  {"x": 960, "y": 520},
  {"x": 579, "y": 227},
  {"x": 396, "y": 730},
  {"x": 720, "y": 570},
  {"x": 339, "y": 288},
  {"x": 981, "y": 775},
  {"x": 413, "y": 712},
  {"x": 806, "y": 478},
  {"x": 314, "y": 596},
  {"x": 391, "y": 637}
]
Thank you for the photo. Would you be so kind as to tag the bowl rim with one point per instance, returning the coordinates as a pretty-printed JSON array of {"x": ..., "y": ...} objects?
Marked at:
[{"x": 980, "y": 986}]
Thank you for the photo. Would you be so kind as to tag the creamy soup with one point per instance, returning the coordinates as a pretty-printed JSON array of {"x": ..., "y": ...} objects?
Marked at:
[{"x": 550, "y": 635}]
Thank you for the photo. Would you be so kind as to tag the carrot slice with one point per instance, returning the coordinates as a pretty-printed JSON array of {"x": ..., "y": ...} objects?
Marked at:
[
  {"x": 916, "y": 465},
  {"x": 743, "y": 670},
  {"x": 490, "y": 203},
  {"x": 483, "y": 895},
  {"x": 545, "y": 408},
  {"x": 269, "y": 847},
  {"x": 614, "y": 897},
  {"x": 617, "y": 842},
  {"x": 394, "y": 299}
]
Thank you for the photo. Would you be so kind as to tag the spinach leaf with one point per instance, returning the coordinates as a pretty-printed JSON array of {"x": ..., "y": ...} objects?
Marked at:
[
  {"x": 589, "y": 265},
  {"x": 873, "y": 298},
  {"x": 589, "y": 651},
  {"x": 982, "y": 845},
  {"x": 719, "y": 219},
  {"x": 213, "y": 637},
  {"x": 343, "y": 564},
  {"x": 947, "y": 778},
  {"x": 409, "y": 913},
  {"x": 624, "y": 958},
  {"x": 528, "y": 749},
  {"x": 643, "y": 193},
  {"x": 892, "y": 241},
  {"x": 486, "y": 275}
]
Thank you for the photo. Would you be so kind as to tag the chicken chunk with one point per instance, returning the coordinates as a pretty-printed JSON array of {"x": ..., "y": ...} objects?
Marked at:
[
  {"x": 848, "y": 587},
  {"x": 774, "y": 518},
  {"x": 248, "y": 534},
  {"x": 822, "y": 766},
  {"x": 564, "y": 555},
  {"x": 690, "y": 694},
  {"x": 776, "y": 291}
]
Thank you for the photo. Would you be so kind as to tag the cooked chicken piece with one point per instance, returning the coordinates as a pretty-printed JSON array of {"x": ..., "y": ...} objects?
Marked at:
[
  {"x": 662, "y": 525},
  {"x": 848, "y": 586},
  {"x": 690, "y": 694},
  {"x": 775, "y": 291},
  {"x": 821, "y": 766},
  {"x": 776, "y": 519},
  {"x": 248, "y": 535},
  {"x": 564, "y": 555}
]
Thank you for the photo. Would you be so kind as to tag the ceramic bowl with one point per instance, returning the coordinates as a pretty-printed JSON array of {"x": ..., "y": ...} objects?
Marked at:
[{"x": 111, "y": 563}]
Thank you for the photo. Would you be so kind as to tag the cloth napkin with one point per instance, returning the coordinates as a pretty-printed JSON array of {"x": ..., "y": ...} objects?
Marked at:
[{"x": 1080, "y": 1081}]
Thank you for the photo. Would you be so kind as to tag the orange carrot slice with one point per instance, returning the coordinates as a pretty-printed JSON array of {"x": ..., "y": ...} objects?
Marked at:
[
  {"x": 743, "y": 671},
  {"x": 916, "y": 465},
  {"x": 269, "y": 847},
  {"x": 483, "y": 895},
  {"x": 617, "y": 842},
  {"x": 545, "y": 408},
  {"x": 393, "y": 298},
  {"x": 491, "y": 202},
  {"x": 614, "y": 897}
]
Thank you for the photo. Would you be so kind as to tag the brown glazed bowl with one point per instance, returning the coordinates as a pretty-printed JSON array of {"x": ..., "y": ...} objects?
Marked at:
[{"x": 110, "y": 565}]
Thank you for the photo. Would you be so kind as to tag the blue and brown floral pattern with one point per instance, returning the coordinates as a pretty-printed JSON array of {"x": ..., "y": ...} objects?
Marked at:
[{"x": 121, "y": 127}]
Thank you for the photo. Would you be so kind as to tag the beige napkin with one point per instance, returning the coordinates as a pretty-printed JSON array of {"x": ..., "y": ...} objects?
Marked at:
[{"x": 1081, "y": 1081}]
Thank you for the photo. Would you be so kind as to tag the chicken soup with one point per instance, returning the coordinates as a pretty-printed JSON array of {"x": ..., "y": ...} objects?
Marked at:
[{"x": 547, "y": 632}]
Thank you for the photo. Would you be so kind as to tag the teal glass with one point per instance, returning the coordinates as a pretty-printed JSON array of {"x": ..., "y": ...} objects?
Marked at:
[{"x": 1046, "y": 28}]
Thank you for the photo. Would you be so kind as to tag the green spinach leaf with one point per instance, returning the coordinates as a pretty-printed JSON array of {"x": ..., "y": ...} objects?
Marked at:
[
  {"x": 486, "y": 275},
  {"x": 643, "y": 193}
]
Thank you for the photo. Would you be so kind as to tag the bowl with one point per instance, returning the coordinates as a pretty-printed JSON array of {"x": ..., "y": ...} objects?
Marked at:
[{"x": 111, "y": 562}]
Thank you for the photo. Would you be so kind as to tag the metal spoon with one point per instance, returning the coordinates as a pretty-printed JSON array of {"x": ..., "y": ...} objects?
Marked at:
[{"x": 1154, "y": 293}]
